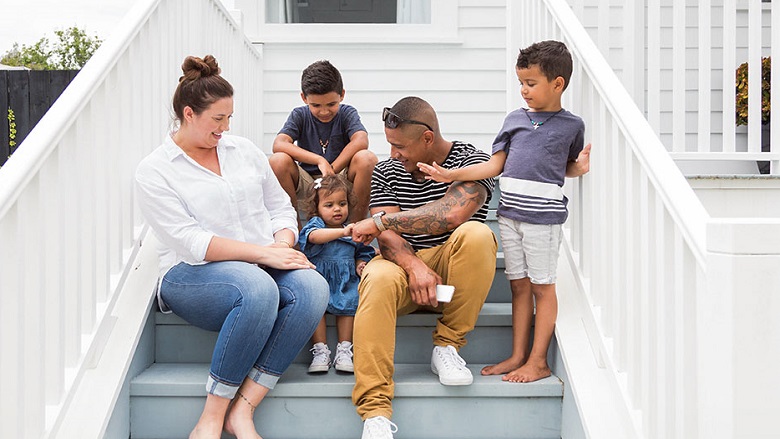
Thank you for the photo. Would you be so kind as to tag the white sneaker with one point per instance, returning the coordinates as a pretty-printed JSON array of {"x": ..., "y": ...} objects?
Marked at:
[
  {"x": 451, "y": 369},
  {"x": 343, "y": 359},
  {"x": 321, "y": 360},
  {"x": 378, "y": 427}
]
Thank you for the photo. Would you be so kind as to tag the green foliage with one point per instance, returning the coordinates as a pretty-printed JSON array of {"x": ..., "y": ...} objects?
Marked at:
[
  {"x": 742, "y": 92},
  {"x": 70, "y": 51},
  {"x": 75, "y": 48},
  {"x": 35, "y": 57},
  {"x": 11, "y": 129}
]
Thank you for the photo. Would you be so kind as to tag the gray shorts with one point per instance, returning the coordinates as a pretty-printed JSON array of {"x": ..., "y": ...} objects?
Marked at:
[{"x": 530, "y": 250}]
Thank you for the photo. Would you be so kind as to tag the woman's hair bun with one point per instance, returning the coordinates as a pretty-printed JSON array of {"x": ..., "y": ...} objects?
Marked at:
[{"x": 196, "y": 68}]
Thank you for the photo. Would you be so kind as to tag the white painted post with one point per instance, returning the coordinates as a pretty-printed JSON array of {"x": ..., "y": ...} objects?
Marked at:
[
  {"x": 11, "y": 341},
  {"x": 754, "y": 77},
  {"x": 704, "y": 139},
  {"x": 739, "y": 330},
  {"x": 654, "y": 64},
  {"x": 729, "y": 64},
  {"x": 774, "y": 128},
  {"x": 678, "y": 76}
]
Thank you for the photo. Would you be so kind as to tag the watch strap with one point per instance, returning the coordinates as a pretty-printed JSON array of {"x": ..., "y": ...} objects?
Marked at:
[{"x": 378, "y": 221}]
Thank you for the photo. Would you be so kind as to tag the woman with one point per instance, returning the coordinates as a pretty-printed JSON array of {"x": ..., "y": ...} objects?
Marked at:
[{"x": 227, "y": 229}]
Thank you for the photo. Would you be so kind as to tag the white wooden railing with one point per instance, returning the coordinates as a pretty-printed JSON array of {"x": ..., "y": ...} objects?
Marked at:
[
  {"x": 69, "y": 229},
  {"x": 662, "y": 291},
  {"x": 689, "y": 52}
]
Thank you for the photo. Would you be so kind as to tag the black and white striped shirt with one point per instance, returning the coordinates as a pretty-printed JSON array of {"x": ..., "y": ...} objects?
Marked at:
[{"x": 391, "y": 185}]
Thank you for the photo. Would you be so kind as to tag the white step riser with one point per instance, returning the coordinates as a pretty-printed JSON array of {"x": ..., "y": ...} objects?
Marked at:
[
  {"x": 326, "y": 418},
  {"x": 184, "y": 344}
]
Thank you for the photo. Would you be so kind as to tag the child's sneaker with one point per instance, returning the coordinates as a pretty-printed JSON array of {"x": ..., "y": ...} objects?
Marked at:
[
  {"x": 378, "y": 427},
  {"x": 321, "y": 360},
  {"x": 343, "y": 359}
]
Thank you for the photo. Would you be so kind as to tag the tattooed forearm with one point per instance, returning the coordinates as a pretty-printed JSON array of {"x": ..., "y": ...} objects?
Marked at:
[
  {"x": 460, "y": 202},
  {"x": 392, "y": 251}
]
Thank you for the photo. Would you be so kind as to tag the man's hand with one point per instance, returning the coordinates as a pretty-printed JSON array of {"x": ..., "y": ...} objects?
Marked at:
[
  {"x": 422, "y": 284},
  {"x": 364, "y": 231}
]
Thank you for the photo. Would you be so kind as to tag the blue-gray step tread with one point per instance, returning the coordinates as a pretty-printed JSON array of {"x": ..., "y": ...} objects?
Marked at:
[
  {"x": 167, "y": 399},
  {"x": 411, "y": 380},
  {"x": 492, "y": 314}
]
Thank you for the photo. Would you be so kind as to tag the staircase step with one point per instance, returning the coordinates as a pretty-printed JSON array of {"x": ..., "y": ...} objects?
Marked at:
[
  {"x": 490, "y": 342},
  {"x": 167, "y": 399}
]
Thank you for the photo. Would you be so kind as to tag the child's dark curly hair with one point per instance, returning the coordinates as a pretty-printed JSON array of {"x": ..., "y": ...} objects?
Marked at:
[{"x": 323, "y": 187}]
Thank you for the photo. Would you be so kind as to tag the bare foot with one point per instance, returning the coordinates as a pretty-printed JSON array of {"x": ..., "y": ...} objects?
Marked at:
[
  {"x": 240, "y": 423},
  {"x": 527, "y": 373},
  {"x": 208, "y": 431},
  {"x": 503, "y": 367}
]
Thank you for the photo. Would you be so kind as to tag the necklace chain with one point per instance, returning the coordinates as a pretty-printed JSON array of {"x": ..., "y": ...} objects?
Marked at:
[
  {"x": 324, "y": 145},
  {"x": 537, "y": 124}
]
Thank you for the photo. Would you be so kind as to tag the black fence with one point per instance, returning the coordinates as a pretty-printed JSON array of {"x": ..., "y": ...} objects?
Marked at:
[{"x": 27, "y": 95}]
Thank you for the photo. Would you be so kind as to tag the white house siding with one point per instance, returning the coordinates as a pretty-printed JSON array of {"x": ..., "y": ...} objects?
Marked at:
[
  {"x": 608, "y": 30},
  {"x": 464, "y": 78}
]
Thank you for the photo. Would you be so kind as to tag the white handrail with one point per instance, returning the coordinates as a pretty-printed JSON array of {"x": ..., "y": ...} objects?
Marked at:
[
  {"x": 636, "y": 237},
  {"x": 69, "y": 227},
  {"x": 691, "y": 81}
]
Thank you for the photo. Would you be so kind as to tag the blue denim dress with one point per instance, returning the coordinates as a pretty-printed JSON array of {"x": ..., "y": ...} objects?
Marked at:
[{"x": 335, "y": 260}]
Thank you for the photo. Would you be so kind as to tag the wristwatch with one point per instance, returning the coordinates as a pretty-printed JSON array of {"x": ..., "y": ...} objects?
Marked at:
[{"x": 378, "y": 220}]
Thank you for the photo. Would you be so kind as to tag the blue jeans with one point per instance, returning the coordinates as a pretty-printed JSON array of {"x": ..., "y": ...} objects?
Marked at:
[{"x": 264, "y": 316}]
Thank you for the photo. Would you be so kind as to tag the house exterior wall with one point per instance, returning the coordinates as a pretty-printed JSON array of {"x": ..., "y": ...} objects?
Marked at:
[
  {"x": 607, "y": 22},
  {"x": 461, "y": 69}
]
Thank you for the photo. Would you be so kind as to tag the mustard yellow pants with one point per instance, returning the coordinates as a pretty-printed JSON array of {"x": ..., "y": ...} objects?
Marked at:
[{"x": 467, "y": 260}]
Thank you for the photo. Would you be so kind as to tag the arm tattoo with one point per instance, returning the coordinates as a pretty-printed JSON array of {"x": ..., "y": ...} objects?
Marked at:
[
  {"x": 391, "y": 253},
  {"x": 462, "y": 200}
]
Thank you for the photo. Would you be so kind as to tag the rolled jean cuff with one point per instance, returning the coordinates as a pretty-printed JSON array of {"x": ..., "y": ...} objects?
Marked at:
[
  {"x": 223, "y": 390},
  {"x": 265, "y": 379}
]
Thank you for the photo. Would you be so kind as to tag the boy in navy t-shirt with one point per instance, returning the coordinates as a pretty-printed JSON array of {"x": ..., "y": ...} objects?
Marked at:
[
  {"x": 535, "y": 150},
  {"x": 322, "y": 138}
]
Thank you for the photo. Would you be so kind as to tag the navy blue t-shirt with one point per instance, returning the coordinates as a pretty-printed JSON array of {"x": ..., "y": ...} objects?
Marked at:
[
  {"x": 311, "y": 134},
  {"x": 535, "y": 168}
]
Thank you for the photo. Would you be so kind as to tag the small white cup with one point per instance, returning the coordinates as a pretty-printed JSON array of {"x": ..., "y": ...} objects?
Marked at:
[{"x": 444, "y": 292}]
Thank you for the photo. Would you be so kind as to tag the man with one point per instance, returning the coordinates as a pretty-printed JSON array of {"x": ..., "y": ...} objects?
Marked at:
[{"x": 429, "y": 233}]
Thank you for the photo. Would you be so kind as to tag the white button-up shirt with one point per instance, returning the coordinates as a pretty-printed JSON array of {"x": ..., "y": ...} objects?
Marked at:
[{"x": 186, "y": 204}]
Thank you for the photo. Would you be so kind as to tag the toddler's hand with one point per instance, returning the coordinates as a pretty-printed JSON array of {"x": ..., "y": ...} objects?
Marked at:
[
  {"x": 359, "y": 266},
  {"x": 435, "y": 172},
  {"x": 348, "y": 230}
]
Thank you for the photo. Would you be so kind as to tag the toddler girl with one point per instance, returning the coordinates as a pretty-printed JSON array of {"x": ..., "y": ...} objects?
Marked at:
[{"x": 327, "y": 242}]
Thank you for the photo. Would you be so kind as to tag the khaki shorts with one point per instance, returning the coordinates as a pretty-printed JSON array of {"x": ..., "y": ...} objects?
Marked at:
[{"x": 306, "y": 180}]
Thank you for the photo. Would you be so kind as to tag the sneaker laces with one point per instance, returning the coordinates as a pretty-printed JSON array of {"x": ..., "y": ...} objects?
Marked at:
[
  {"x": 379, "y": 425},
  {"x": 321, "y": 353},
  {"x": 344, "y": 349},
  {"x": 450, "y": 358}
]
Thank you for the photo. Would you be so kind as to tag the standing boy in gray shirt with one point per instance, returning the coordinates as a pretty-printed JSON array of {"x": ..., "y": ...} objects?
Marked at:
[{"x": 535, "y": 150}]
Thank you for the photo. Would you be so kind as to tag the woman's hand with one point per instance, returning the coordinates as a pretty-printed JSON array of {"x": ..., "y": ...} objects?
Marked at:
[{"x": 283, "y": 258}]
